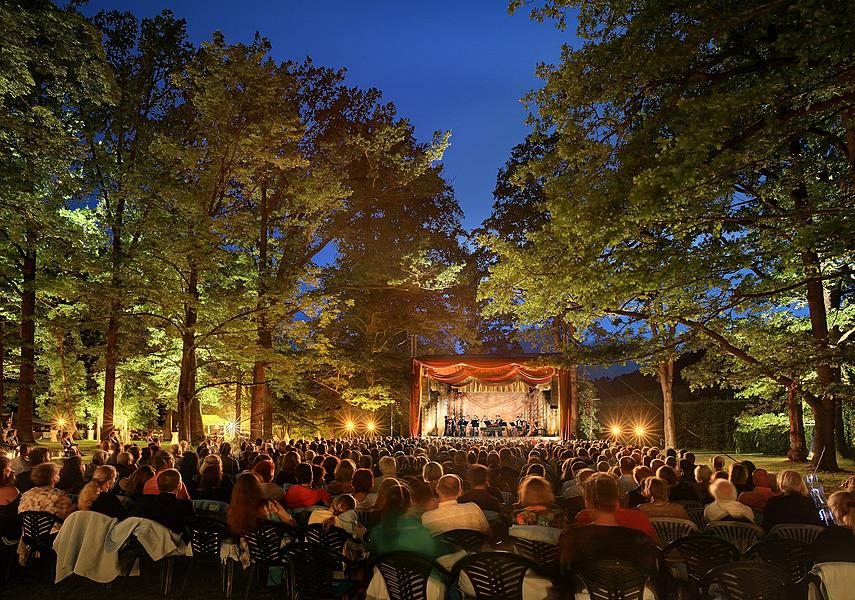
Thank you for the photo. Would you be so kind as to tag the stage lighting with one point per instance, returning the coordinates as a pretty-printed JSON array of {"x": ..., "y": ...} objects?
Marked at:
[
  {"x": 350, "y": 426},
  {"x": 370, "y": 426},
  {"x": 615, "y": 430},
  {"x": 60, "y": 422},
  {"x": 640, "y": 431}
]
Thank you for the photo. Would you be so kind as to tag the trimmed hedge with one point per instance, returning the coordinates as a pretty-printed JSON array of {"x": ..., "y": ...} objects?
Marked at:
[
  {"x": 707, "y": 424},
  {"x": 767, "y": 433}
]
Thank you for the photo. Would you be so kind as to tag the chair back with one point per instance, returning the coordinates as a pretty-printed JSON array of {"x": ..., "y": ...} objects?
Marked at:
[
  {"x": 791, "y": 556},
  {"x": 313, "y": 569},
  {"x": 702, "y": 553},
  {"x": 749, "y": 580},
  {"x": 494, "y": 575},
  {"x": 741, "y": 535},
  {"x": 805, "y": 534},
  {"x": 405, "y": 574},
  {"x": 546, "y": 555},
  {"x": 367, "y": 517},
  {"x": 831, "y": 580},
  {"x": 206, "y": 536},
  {"x": 466, "y": 539},
  {"x": 211, "y": 506},
  {"x": 668, "y": 530},
  {"x": 36, "y": 528},
  {"x": 696, "y": 514},
  {"x": 611, "y": 579},
  {"x": 331, "y": 537},
  {"x": 265, "y": 544}
]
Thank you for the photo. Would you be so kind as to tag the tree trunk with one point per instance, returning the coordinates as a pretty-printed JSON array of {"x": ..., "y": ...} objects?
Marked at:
[
  {"x": 187, "y": 376},
  {"x": 197, "y": 425},
  {"x": 2, "y": 364},
  {"x": 824, "y": 457},
  {"x": 27, "y": 375},
  {"x": 110, "y": 355},
  {"x": 238, "y": 402},
  {"x": 798, "y": 448},
  {"x": 666, "y": 383},
  {"x": 167, "y": 426},
  {"x": 260, "y": 423}
]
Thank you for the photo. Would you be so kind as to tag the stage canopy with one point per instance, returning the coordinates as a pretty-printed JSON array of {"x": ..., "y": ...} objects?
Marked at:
[{"x": 461, "y": 370}]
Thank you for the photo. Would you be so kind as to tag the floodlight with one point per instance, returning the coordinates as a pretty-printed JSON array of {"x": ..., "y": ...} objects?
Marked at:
[
  {"x": 616, "y": 430},
  {"x": 640, "y": 430},
  {"x": 371, "y": 426},
  {"x": 350, "y": 426}
]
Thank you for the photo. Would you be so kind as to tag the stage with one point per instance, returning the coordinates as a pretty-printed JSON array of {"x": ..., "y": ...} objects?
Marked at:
[{"x": 467, "y": 397}]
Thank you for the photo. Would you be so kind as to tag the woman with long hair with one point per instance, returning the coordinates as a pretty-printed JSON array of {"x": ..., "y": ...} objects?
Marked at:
[
  {"x": 71, "y": 475},
  {"x": 536, "y": 505},
  {"x": 248, "y": 508},
  {"x": 96, "y": 495},
  {"x": 212, "y": 485},
  {"x": 10, "y": 525},
  {"x": 132, "y": 487},
  {"x": 397, "y": 528}
]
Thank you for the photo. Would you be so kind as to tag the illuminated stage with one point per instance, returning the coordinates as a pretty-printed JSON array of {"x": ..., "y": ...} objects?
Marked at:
[{"x": 523, "y": 394}]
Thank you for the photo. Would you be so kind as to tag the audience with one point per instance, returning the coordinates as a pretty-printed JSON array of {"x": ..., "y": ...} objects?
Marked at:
[
  {"x": 248, "y": 507},
  {"x": 96, "y": 495},
  {"x": 449, "y": 513},
  {"x": 43, "y": 496},
  {"x": 659, "y": 505},
  {"x": 537, "y": 505},
  {"x": 160, "y": 462},
  {"x": 303, "y": 494},
  {"x": 36, "y": 456},
  {"x": 761, "y": 493},
  {"x": 837, "y": 543},
  {"x": 10, "y": 497},
  {"x": 479, "y": 492},
  {"x": 166, "y": 507},
  {"x": 71, "y": 475},
  {"x": 397, "y": 530}
]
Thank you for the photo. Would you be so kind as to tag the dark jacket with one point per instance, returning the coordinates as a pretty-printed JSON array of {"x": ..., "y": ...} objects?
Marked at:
[
  {"x": 789, "y": 508},
  {"x": 167, "y": 509}
]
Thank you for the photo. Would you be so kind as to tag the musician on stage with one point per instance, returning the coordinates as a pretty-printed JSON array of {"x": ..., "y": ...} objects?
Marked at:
[
  {"x": 475, "y": 425},
  {"x": 461, "y": 425},
  {"x": 449, "y": 423}
]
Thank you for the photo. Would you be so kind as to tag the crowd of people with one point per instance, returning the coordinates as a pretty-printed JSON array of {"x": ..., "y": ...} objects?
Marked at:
[{"x": 598, "y": 496}]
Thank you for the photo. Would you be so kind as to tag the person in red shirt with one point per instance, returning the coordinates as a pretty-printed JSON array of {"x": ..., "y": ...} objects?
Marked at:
[
  {"x": 761, "y": 493},
  {"x": 625, "y": 517},
  {"x": 302, "y": 495}
]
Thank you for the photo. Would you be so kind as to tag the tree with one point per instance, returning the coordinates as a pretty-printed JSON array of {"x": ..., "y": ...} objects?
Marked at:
[
  {"x": 52, "y": 63},
  {"x": 713, "y": 177}
]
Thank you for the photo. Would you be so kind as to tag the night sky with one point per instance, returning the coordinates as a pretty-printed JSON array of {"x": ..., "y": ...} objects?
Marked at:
[{"x": 460, "y": 65}]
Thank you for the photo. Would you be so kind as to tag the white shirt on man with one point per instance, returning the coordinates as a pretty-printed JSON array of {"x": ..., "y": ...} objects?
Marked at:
[{"x": 450, "y": 515}]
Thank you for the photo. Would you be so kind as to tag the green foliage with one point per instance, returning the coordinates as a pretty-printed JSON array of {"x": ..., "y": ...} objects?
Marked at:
[
  {"x": 707, "y": 424},
  {"x": 766, "y": 433},
  {"x": 589, "y": 404}
]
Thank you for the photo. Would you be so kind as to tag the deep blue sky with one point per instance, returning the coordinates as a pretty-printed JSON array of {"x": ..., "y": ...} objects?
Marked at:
[{"x": 460, "y": 65}]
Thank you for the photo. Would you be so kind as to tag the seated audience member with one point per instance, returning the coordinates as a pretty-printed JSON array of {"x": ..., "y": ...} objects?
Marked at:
[
  {"x": 36, "y": 456},
  {"x": 659, "y": 505},
  {"x": 302, "y": 494},
  {"x": 738, "y": 475},
  {"x": 725, "y": 507},
  {"x": 188, "y": 466},
  {"x": 71, "y": 475},
  {"x": 761, "y": 493},
  {"x": 248, "y": 508},
  {"x": 837, "y": 543},
  {"x": 626, "y": 517},
  {"x": 99, "y": 458},
  {"x": 287, "y": 463},
  {"x": 96, "y": 496},
  {"x": 132, "y": 487},
  {"x": 388, "y": 468},
  {"x": 10, "y": 525},
  {"x": 793, "y": 505},
  {"x": 166, "y": 507},
  {"x": 627, "y": 481},
  {"x": 717, "y": 463},
  {"x": 231, "y": 468},
  {"x": 849, "y": 486},
  {"x": 536, "y": 504},
  {"x": 162, "y": 461},
  {"x": 397, "y": 529},
  {"x": 636, "y": 496},
  {"x": 604, "y": 536},
  {"x": 125, "y": 465},
  {"x": 341, "y": 513},
  {"x": 43, "y": 496},
  {"x": 703, "y": 477},
  {"x": 431, "y": 473},
  {"x": 423, "y": 498},
  {"x": 213, "y": 486},
  {"x": 363, "y": 481},
  {"x": 677, "y": 490},
  {"x": 449, "y": 514},
  {"x": 342, "y": 482},
  {"x": 478, "y": 492}
]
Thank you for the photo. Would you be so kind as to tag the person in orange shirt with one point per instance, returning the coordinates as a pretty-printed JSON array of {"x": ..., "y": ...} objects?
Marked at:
[
  {"x": 302, "y": 495},
  {"x": 761, "y": 493},
  {"x": 162, "y": 461}
]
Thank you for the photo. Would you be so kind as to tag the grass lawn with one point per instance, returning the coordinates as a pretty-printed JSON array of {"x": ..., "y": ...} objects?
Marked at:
[{"x": 778, "y": 463}]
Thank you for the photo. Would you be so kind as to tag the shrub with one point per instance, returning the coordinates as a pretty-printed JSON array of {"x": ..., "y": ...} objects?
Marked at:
[{"x": 767, "y": 433}]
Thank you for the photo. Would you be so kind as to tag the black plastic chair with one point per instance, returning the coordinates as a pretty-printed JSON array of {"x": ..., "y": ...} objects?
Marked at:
[
  {"x": 36, "y": 533},
  {"x": 748, "y": 580},
  {"x": 791, "y": 556},
  {"x": 465, "y": 539},
  {"x": 206, "y": 538},
  {"x": 613, "y": 579},
  {"x": 331, "y": 537},
  {"x": 406, "y": 574},
  {"x": 494, "y": 575},
  {"x": 700, "y": 553},
  {"x": 265, "y": 550},
  {"x": 368, "y": 517},
  {"x": 312, "y": 572},
  {"x": 547, "y": 556}
]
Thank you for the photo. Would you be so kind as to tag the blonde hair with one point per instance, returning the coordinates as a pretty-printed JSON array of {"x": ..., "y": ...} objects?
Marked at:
[
  {"x": 91, "y": 491},
  {"x": 535, "y": 490},
  {"x": 791, "y": 482},
  {"x": 723, "y": 490},
  {"x": 601, "y": 492},
  {"x": 703, "y": 474},
  {"x": 656, "y": 488},
  {"x": 432, "y": 471},
  {"x": 842, "y": 505}
]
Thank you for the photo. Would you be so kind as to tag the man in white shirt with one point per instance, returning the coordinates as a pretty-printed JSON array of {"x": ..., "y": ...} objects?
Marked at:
[{"x": 449, "y": 514}]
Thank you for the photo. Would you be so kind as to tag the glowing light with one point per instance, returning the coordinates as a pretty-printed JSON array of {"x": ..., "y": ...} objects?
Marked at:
[
  {"x": 640, "y": 431},
  {"x": 350, "y": 425},
  {"x": 60, "y": 422},
  {"x": 370, "y": 426},
  {"x": 616, "y": 430}
]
